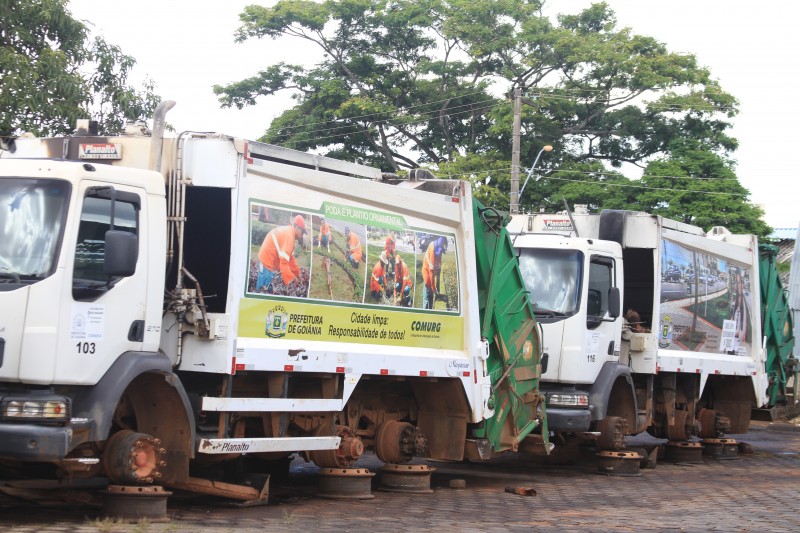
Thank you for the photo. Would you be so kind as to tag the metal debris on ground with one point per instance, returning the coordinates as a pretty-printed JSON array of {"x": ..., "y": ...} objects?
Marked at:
[{"x": 521, "y": 491}]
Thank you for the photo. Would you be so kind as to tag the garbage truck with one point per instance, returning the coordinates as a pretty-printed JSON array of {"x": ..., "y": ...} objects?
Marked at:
[
  {"x": 650, "y": 324},
  {"x": 171, "y": 304}
]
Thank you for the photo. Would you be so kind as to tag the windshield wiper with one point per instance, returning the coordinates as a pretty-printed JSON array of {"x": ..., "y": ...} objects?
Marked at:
[
  {"x": 541, "y": 311},
  {"x": 8, "y": 276}
]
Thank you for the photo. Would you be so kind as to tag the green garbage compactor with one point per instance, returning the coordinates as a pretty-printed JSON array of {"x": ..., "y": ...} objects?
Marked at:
[
  {"x": 508, "y": 323},
  {"x": 777, "y": 328}
]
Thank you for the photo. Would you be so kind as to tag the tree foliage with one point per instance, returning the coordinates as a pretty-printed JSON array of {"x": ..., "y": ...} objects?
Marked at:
[
  {"x": 52, "y": 73},
  {"x": 405, "y": 83}
]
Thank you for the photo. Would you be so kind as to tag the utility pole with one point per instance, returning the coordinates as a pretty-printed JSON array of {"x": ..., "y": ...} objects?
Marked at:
[{"x": 515, "y": 141}]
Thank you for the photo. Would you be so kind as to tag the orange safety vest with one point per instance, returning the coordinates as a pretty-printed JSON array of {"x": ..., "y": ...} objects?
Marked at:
[
  {"x": 429, "y": 265},
  {"x": 378, "y": 272},
  {"x": 402, "y": 276},
  {"x": 354, "y": 246},
  {"x": 276, "y": 253},
  {"x": 389, "y": 247},
  {"x": 324, "y": 229}
]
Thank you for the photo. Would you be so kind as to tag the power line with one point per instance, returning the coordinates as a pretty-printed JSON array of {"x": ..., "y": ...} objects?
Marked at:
[
  {"x": 432, "y": 113},
  {"x": 649, "y": 188},
  {"x": 401, "y": 111},
  {"x": 655, "y": 105},
  {"x": 596, "y": 173},
  {"x": 630, "y": 184},
  {"x": 334, "y": 136}
]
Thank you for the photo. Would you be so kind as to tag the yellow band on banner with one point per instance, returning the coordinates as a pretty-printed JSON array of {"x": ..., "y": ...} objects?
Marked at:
[{"x": 300, "y": 320}]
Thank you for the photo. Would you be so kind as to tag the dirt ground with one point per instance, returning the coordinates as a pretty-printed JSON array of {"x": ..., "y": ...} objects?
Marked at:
[{"x": 755, "y": 492}]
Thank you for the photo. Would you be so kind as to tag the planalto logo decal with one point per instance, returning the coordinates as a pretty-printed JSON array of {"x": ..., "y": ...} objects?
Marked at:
[
  {"x": 100, "y": 151},
  {"x": 277, "y": 321},
  {"x": 557, "y": 224}
]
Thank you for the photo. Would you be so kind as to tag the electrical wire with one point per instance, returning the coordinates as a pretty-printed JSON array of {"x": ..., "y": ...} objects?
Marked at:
[
  {"x": 588, "y": 173},
  {"x": 433, "y": 114},
  {"x": 653, "y": 105},
  {"x": 651, "y": 188},
  {"x": 335, "y": 136},
  {"x": 613, "y": 184},
  {"x": 402, "y": 112}
]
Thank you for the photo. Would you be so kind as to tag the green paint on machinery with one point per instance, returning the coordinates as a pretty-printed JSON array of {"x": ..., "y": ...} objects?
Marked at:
[
  {"x": 776, "y": 326},
  {"x": 508, "y": 323}
]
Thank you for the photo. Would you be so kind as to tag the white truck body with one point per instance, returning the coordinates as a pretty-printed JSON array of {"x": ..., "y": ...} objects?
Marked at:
[
  {"x": 84, "y": 340},
  {"x": 679, "y": 281}
]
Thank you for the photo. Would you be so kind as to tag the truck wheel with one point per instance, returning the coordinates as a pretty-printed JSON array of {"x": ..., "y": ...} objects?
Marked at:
[
  {"x": 398, "y": 442},
  {"x": 678, "y": 431},
  {"x": 612, "y": 433},
  {"x": 345, "y": 456},
  {"x": 131, "y": 458},
  {"x": 712, "y": 424}
]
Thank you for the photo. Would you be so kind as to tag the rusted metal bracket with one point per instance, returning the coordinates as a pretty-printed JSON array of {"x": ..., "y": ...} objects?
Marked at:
[{"x": 246, "y": 496}]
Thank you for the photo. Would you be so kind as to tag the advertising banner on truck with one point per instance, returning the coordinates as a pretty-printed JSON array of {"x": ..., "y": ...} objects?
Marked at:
[
  {"x": 349, "y": 274},
  {"x": 705, "y": 302}
]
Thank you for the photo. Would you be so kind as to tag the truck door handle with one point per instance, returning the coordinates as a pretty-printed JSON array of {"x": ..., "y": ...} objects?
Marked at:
[
  {"x": 136, "y": 332},
  {"x": 611, "y": 348}
]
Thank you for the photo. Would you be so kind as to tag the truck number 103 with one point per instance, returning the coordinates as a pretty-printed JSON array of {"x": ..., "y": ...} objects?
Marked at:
[{"x": 85, "y": 347}]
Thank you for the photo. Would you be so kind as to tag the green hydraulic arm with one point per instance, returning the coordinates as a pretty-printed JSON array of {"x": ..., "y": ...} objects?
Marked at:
[
  {"x": 776, "y": 325},
  {"x": 508, "y": 323}
]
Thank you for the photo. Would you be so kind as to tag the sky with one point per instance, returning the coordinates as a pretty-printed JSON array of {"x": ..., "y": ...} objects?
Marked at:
[{"x": 187, "y": 46}]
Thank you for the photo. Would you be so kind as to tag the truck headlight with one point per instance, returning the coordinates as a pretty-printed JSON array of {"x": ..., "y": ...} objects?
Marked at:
[
  {"x": 568, "y": 399},
  {"x": 32, "y": 409},
  {"x": 49, "y": 409},
  {"x": 12, "y": 409}
]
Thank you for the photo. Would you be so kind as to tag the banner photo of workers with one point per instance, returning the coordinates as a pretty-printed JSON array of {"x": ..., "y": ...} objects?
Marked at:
[
  {"x": 391, "y": 256},
  {"x": 280, "y": 256},
  {"x": 339, "y": 260},
  {"x": 436, "y": 273}
]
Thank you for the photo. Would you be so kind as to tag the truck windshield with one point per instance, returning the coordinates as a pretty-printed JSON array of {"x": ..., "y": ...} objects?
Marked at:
[
  {"x": 32, "y": 216},
  {"x": 553, "y": 278}
]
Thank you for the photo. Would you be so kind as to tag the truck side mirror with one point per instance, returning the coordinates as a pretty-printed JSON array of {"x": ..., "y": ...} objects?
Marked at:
[
  {"x": 614, "y": 304},
  {"x": 121, "y": 253}
]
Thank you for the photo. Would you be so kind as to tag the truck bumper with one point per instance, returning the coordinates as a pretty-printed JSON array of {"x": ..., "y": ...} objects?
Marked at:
[
  {"x": 571, "y": 420},
  {"x": 32, "y": 442}
]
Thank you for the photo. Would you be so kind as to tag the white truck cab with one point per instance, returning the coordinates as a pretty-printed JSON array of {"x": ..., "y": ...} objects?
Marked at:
[
  {"x": 575, "y": 285},
  {"x": 648, "y": 324}
]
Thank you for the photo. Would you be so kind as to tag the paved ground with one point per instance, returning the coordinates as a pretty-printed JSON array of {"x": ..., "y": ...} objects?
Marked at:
[{"x": 757, "y": 492}]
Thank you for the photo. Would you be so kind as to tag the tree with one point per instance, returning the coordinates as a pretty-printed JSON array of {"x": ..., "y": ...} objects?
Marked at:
[
  {"x": 405, "y": 83},
  {"x": 52, "y": 73},
  {"x": 699, "y": 187},
  {"x": 384, "y": 94}
]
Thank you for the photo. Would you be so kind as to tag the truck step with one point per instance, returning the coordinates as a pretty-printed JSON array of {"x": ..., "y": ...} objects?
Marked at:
[
  {"x": 764, "y": 415},
  {"x": 272, "y": 444},
  {"x": 278, "y": 405}
]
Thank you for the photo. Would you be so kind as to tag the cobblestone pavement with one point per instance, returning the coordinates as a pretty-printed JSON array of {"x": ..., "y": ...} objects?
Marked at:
[{"x": 757, "y": 492}]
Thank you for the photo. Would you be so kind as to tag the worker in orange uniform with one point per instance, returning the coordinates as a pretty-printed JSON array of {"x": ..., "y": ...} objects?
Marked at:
[
  {"x": 377, "y": 284},
  {"x": 324, "y": 235},
  {"x": 277, "y": 254},
  {"x": 388, "y": 247},
  {"x": 352, "y": 247},
  {"x": 402, "y": 282},
  {"x": 431, "y": 270}
]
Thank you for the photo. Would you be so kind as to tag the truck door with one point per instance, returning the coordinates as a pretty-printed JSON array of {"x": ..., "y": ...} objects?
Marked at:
[
  {"x": 100, "y": 316},
  {"x": 602, "y": 323}
]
